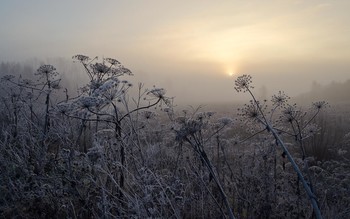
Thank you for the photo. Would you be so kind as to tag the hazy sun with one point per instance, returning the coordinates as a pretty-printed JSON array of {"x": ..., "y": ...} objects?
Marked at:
[{"x": 230, "y": 71}]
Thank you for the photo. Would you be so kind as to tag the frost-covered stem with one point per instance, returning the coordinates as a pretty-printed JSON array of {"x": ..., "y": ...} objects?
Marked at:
[
  {"x": 249, "y": 137},
  {"x": 218, "y": 154},
  {"x": 215, "y": 133},
  {"x": 310, "y": 194},
  {"x": 73, "y": 209},
  {"x": 122, "y": 160},
  {"x": 306, "y": 165},
  {"x": 15, "y": 118},
  {"x": 217, "y": 181},
  {"x": 98, "y": 120},
  {"x": 82, "y": 128},
  {"x": 200, "y": 150},
  {"x": 104, "y": 204},
  {"x": 88, "y": 71},
  {"x": 299, "y": 197},
  {"x": 211, "y": 194},
  {"x": 275, "y": 173},
  {"x": 47, "y": 119},
  {"x": 225, "y": 161},
  {"x": 46, "y": 122},
  {"x": 312, "y": 118},
  {"x": 140, "y": 108},
  {"x": 138, "y": 105},
  {"x": 118, "y": 136},
  {"x": 273, "y": 112},
  {"x": 257, "y": 104},
  {"x": 299, "y": 138}
]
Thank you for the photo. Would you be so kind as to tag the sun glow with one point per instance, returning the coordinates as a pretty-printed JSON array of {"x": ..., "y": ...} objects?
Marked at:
[
  {"x": 230, "y": 71},
  {"x": 224, "y": 46}
]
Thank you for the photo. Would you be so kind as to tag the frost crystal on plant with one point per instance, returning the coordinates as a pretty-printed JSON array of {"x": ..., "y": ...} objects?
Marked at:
[
  {"x": 87, "y": 102},
  {"x": 109, "y": 84}
]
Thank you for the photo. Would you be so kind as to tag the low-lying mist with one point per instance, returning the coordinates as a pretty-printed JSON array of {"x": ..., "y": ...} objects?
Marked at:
[{"x": 204, "y": 84}]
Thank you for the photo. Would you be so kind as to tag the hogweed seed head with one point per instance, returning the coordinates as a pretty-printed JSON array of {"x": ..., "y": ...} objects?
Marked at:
[
  {"x": 280, "y": 99},
  {"x": 48, "y": 70},
  {"x": 189, "y": 127},
  {"x": 311, "y": 130},
  {"x": 100, "y": 68},
  {"x": 112, "y": 61},
  {"x": 225, "y": 121},
  {"x": 125, "y": 71},
  {"x": 251, "y": 111},
  {"x": 81, "y": 58},
  {"x": 148, "y": 115},
  {"x": 319, "y": 105},
  {"x": 27, "y": 82},
  {"x": 243, "y": 83},
  {"x": 290, "y": 113},
  {"x": 157, "y": 92}
]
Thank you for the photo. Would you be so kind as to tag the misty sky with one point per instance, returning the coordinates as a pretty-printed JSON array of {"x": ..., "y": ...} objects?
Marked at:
[{"x": 190, "y": 47}]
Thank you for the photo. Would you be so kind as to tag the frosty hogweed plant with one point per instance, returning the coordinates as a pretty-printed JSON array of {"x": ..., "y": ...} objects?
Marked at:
[{"x": 255, "y": 112}]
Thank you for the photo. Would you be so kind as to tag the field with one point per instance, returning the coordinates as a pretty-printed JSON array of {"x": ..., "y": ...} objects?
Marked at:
[{"x": 105, "y": 154}]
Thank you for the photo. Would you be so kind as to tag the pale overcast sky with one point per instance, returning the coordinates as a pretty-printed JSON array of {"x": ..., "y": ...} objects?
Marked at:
[{"x": 189, "y": 47}]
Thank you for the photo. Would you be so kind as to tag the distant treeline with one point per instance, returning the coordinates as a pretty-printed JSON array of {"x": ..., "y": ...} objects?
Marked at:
[
  {"x": 72, "y": 76},
  {"x": 335, "y": 92},
  {"x": 15, "y": 68}
]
